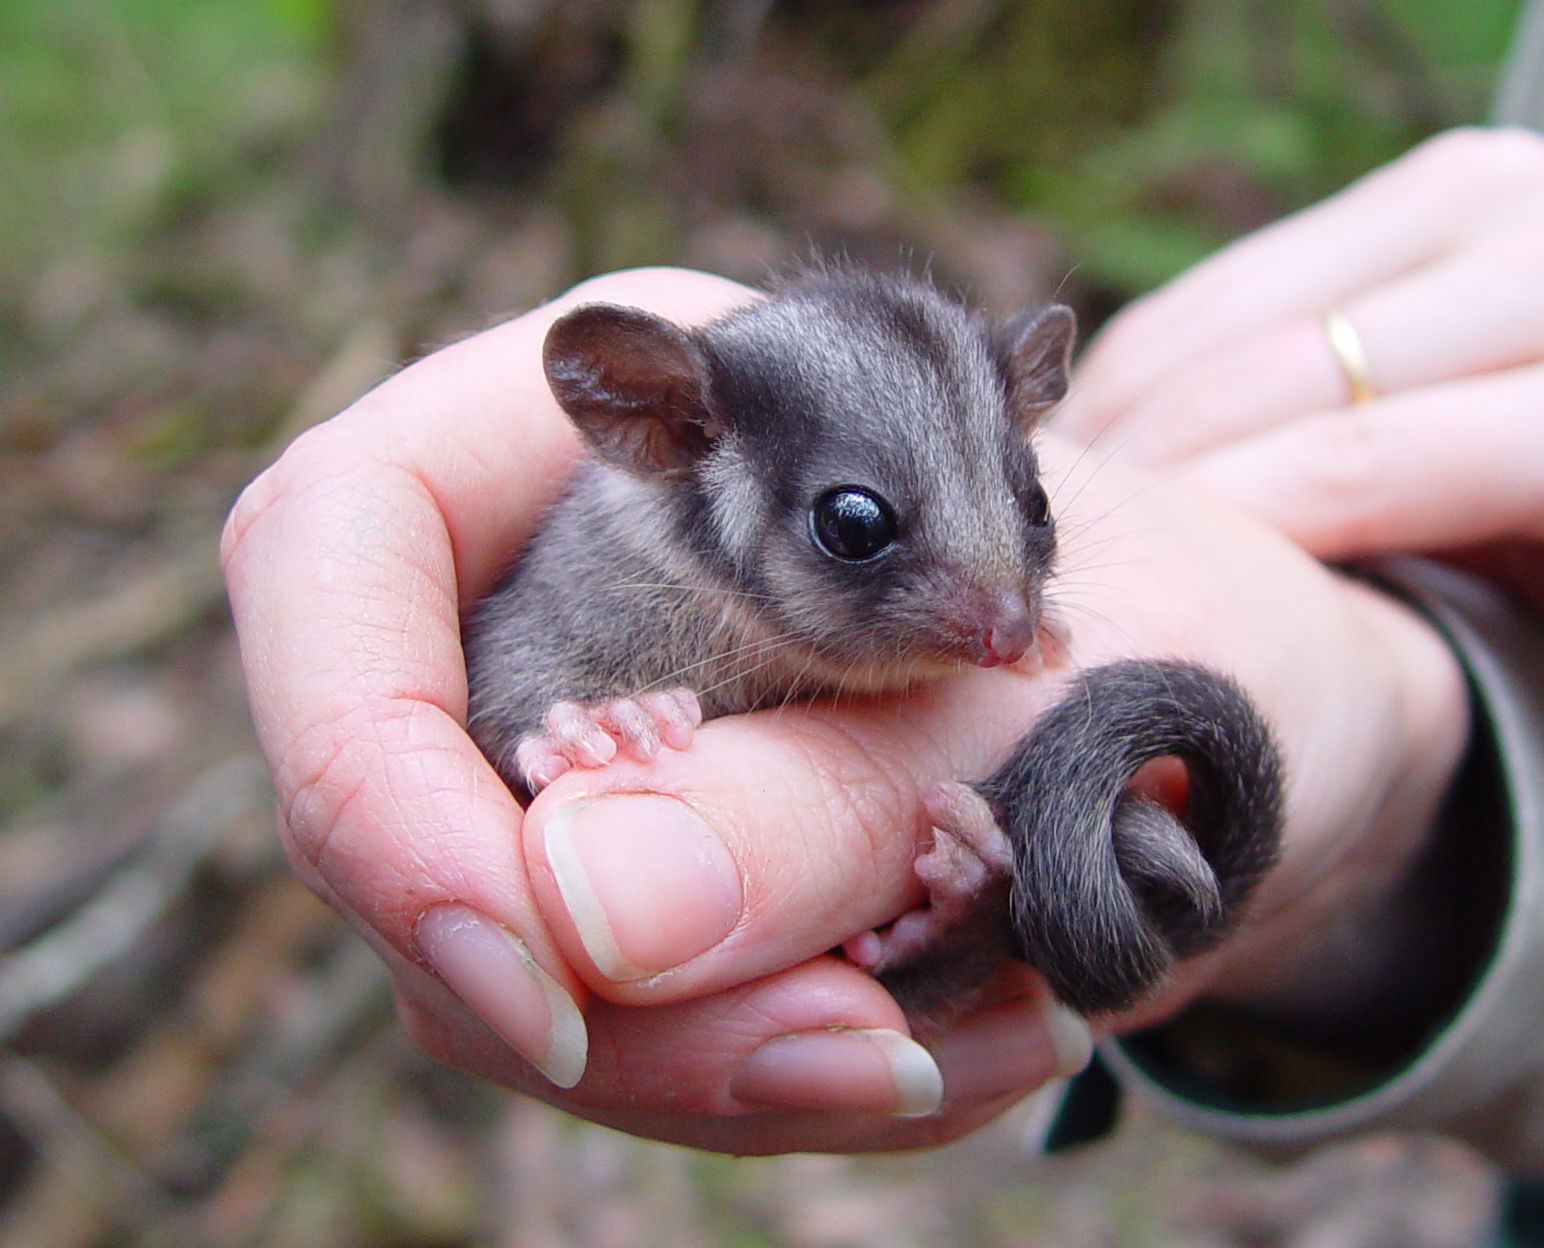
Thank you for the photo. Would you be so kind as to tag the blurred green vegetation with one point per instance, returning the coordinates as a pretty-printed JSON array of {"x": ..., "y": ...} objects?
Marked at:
[
  {"x": 1143, "y": 132},
  {"x": 1146, "y": 134},
  {"x": 112, "y": 112}
]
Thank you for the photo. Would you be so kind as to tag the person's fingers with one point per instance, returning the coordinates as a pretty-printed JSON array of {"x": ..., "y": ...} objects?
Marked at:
[
  {"x": 674, "y": 878},
  {"x": 1473, "y": 312},
  {"x": 1243, "y": 387},
  {"x": 473, "y": 427},
  {"x": 345, "y": 594},
  {"x": 1361, "y": 479},
  {"x": 1458, "y": 186},
  {"x": 812, "y": 1057},
  {"x": 347, "y": 564}
]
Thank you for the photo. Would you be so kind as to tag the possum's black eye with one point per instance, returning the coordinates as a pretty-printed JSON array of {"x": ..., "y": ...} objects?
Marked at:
[{"x": 852, "y": 524}]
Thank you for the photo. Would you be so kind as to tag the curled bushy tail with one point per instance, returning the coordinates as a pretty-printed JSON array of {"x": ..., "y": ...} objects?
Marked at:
[{"x": 1110, "y": 888}]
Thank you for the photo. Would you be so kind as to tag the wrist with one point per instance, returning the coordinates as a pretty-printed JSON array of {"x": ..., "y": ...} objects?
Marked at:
[
  {"x": 1466, "y": 1062},
  {"x": 1335, "y": 932}
]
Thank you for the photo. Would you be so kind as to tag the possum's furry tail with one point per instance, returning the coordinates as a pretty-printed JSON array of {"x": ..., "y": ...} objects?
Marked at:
[{"x": 1109, "y": 887}]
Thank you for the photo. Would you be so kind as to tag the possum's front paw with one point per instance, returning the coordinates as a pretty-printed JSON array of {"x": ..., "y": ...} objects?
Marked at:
[
  {"x": 584, "y": 735},
  {"x": 936, "y": 960}
]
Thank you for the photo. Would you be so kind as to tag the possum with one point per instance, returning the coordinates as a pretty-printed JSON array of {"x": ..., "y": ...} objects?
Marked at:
[{"x": 834, "y": 490}]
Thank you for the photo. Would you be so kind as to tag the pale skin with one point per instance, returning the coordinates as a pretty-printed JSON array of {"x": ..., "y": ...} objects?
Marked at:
[
  {"x": 726, "y": 871},
  {"x": 1224, "y": 378}
]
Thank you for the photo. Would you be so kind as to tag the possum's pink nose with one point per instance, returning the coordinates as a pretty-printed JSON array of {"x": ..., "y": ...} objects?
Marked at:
[{"x": 1011, "y": 631}]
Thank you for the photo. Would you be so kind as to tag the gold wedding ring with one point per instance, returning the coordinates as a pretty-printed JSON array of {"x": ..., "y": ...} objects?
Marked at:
[{"x": 1346, "y": 346}]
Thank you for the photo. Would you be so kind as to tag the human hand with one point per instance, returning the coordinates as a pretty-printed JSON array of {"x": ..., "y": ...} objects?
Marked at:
[
  {"x": 349, "y": 563},
  {"x": 724, "y": 873},
  {"x": 1225, "y": 378}
]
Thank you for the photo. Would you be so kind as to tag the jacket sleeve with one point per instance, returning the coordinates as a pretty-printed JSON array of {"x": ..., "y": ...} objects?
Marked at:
[{"x": 1473, "y": 1069}]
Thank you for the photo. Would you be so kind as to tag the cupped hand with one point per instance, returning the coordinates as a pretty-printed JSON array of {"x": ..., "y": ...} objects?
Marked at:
[
  {"x": 349, "y": 564},
  {"x": 1225, "y": 378},
  {"x": 647, "y": 946}
]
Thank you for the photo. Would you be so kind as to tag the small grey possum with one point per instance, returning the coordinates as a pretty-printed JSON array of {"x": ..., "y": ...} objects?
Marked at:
[{"x": 834, "y": 490}]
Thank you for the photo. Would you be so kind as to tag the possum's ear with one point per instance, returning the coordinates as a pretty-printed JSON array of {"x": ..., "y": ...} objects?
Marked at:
[
  {"x": 1037, "y": 353},
  {"x": 635, "y": 385}
]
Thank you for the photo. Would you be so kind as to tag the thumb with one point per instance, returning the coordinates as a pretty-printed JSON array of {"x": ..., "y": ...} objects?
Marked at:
[{"x": 776, "y": 837}]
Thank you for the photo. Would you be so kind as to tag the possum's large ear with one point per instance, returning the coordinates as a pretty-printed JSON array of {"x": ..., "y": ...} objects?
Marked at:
[
  {"x": 1037, "y": 353},
  {"x": 635, "y": 385}
]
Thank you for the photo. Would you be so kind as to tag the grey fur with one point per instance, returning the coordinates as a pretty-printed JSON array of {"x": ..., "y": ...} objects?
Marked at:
[
  {"x": 705, "y": 575},
  {"x": 1104, "y": 914},
  {"x": 682, "y": 555}
]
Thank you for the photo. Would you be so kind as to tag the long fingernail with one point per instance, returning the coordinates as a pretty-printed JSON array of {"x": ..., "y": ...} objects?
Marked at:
[
  {"x": 1011, "y": 1048},
  {"x": 1070, "y": 1038},
  {"x": 489, "y": 968},
  {"x": 878, "y": 1071},
  {"x": 648, "y": 884}
]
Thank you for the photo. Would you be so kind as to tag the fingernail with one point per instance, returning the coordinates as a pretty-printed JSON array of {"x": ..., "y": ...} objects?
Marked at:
[
  {"x": 1019, "y": 1045},
  {"x": 489, "y": 968},
  {"x": 648, "y": 884},
  {"x": 1070, "y": 1038},
  {"x": 879, "y": 1072}
]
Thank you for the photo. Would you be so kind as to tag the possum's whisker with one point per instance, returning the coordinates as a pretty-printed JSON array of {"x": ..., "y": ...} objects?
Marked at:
[
  {"x": 1081, "y": 473},
  {"x": 1072, "y": 613},
  {"x": 1066, "y": 277},
  {"x": 1081, "y": 476},
  {"x": 757, "y": 655},
  {"x": 799, "y": 684},
  {"x": 687, "y": 591},
  {"x": 680, "y": 674},
  {"x": 755, "y": 649},
  {"x": 801, "y": 681},
  {"x": 1070, "y": 531},
  {"x": 748, "y": 671},
  {"x": 1116, "y": 445},
  {"x": 1083, "y": 576}
]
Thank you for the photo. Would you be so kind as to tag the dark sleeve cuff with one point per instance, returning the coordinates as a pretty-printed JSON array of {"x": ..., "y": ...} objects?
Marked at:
[{"x": 1471, "y": 1061}]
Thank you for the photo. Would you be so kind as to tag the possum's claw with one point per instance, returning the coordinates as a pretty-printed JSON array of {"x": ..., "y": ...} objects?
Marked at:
[
  {"x": 969, "y": 861},
  {"x": 538, "y": 763},
  {"x": 591, "y": 735},
  {"x": 937, "y": 959}
]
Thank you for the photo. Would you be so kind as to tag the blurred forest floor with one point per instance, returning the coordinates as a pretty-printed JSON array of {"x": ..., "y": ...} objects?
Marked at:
[{"x": 222, "y": 220}]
